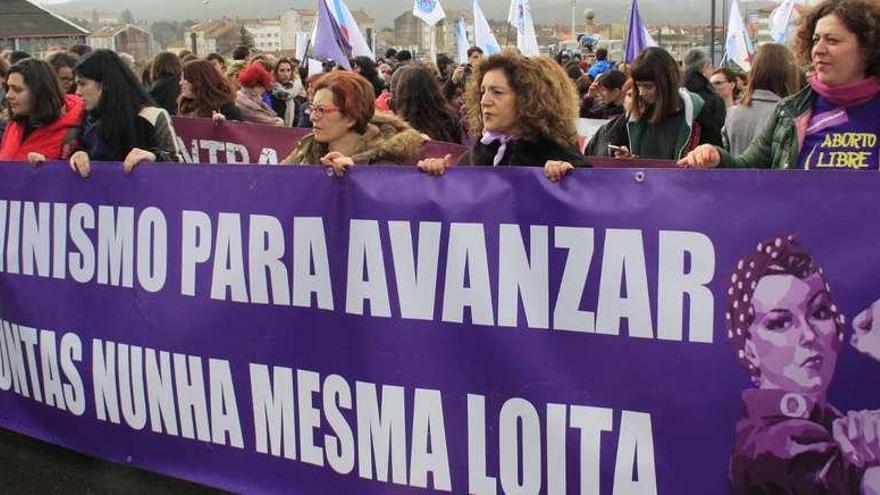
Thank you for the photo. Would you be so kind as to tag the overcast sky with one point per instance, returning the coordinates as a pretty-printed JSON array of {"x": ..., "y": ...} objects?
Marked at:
[{"x": 544, "y": 11}]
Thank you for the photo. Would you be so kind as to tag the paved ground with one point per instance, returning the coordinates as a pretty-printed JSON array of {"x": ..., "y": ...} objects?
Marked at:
[{"x": 29, "y": 466}]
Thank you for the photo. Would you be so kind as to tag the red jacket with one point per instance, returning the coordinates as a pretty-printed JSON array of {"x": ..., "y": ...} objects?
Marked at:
[{"x": 54, "y": 141}]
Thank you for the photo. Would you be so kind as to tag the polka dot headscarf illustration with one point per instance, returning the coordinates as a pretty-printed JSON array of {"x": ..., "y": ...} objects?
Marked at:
[{"x": 776, "y": 256}]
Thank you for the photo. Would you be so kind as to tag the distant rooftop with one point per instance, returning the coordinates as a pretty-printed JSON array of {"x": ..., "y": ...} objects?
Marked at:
[{"x": 23, "y": 19}]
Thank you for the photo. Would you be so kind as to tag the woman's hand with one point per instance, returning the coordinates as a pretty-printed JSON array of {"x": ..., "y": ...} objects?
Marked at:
[
  {"x": 435, "y": 166},
  {"x": 79, "y": 163},
  {"x": 866, "y": 331},
  {"x": 36, "y": 159},
  {"x": 217, "y": 117},
  {"x": 624, "y": 152},
  {"x": 556, "y": 170},
  {"x": 135, "y": 156},
  {"x": 458, "y": 73},
  {"x": 337, "y": 162},
  {"x": 703, "y": 156},
  {"x": 858, "y": 435},
  {"x": 593, "y": 90}
]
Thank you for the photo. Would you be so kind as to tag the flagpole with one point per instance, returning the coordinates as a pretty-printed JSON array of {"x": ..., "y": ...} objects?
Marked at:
[
  {"x": 432, "y": 45},
  {"x": 712, "y": 33},
  {"x": 725, "y": 17}
]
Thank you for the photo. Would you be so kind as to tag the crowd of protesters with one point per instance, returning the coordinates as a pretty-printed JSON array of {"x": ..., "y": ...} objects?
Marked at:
[{"x": 797, "y": 107}]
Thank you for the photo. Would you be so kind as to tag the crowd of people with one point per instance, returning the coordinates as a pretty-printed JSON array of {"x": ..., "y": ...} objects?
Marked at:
[{"x": 811, "y": 106}]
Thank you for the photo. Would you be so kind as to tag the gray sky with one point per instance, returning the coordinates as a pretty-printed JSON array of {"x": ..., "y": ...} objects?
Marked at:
[{"x": 543, "y": 11}]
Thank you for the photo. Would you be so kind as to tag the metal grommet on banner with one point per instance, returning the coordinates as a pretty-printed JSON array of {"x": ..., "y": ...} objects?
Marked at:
[
  {"x": 640, "y": 176},
  {"x": 329, "y": 171}
]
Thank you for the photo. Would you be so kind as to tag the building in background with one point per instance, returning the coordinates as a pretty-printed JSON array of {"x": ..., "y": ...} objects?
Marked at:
[
  {"x": 129, "y": 38},
  {"x": 27, "y": 27},
  {"x": 266, "y": 34},
  {"x": 212, "y": 36}
]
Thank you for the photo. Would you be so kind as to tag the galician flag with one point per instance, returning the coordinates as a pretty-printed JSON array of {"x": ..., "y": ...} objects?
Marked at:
[
  {"x": 330, "y": 42},
  {"x": 483, "y": 36},
  {"x": 359, "y": 45},
  {"x": 738, "y": 47},
  {"x": 520, "y": 17},
  {"x": 461, "y": 41},
  {"x": 430, "y": 11}
]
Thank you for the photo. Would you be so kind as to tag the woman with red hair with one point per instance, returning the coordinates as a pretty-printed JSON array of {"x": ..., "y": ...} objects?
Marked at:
[
  {"x": 347, "y": 129},
  {"x": 255, "y": 80}
]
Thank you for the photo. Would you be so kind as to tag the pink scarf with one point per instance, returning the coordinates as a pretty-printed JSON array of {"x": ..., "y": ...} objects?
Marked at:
[
  {"x": 490, "y": 137},
  {"x": 849, "y": 94}
]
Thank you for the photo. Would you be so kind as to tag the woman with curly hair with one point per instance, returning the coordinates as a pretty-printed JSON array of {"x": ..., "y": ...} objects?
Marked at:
[
  {"x": 523, "y": 111},
  {"x": 416, "y": 97},
  {"x": 204, "y": 93},
  {"x": 831, "y": 124}
]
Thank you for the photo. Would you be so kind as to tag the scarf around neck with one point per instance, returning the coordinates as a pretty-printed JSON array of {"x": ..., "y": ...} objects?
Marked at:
[
  {"x": 848, "y": 94},
  {"x": 490, "y": 137}
]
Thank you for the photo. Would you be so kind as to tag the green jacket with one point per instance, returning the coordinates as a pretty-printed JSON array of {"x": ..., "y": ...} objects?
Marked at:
[
  {"x": 779, "y": 143},
  {"x": 687, "y": 139}
]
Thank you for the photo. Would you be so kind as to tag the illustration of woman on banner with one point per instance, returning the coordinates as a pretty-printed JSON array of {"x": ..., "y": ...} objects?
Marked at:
[{"x": 788, "y": 332}]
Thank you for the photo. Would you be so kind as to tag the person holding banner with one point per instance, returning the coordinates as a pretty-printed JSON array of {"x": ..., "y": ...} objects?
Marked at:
[
  {"x": 666, "y": 120},
  {"x": 205, "y": 94},
  {"x": 121, "y": 122},
  {"x": 44, "y": 121},
  {"x": 347, "y": 130},
  {"x": 788, "y": 332},
  {"x": 832, "y": 124},
  {"x": 523, "y": 111}
]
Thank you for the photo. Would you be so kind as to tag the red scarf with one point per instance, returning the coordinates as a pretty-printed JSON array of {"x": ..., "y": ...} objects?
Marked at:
[{"x": 848, "y": 95}]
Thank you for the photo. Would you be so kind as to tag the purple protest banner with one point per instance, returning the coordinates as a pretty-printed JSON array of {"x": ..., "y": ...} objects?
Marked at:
[
  {"x": 273, "y": 329},
  {"x": 204, "y": 141}
]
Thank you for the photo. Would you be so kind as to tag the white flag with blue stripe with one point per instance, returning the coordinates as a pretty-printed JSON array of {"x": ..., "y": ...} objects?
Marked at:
[{"x": 483, "y": 36}]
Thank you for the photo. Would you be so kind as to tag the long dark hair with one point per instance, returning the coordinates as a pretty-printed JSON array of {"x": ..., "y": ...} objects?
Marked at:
[
  {"x": 210, "y": 90},
  {"x": 369, "y": 71},
  {"x": 122, "y": 98},
  {"x": 656, "y": 65},
  {"x": 416, "y": 97},
  {"x": 47, "y": 100}
]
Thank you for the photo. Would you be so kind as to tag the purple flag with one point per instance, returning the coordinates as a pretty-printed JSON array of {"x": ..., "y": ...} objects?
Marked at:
[
  {"x": 635, "y": 38},
  {"x": 330, "y": 42}
]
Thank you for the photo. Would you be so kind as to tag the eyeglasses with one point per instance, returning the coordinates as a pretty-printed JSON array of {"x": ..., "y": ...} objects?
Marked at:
[{"x": 321, "y": 110}]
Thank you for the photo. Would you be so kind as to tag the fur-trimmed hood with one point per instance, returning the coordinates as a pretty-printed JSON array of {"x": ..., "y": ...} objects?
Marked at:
[{"x": 388, "y": 139}]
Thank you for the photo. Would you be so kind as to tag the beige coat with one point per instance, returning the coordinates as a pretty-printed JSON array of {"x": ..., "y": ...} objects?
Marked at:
[{"x": 388, "y": 139}]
